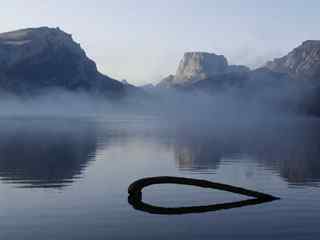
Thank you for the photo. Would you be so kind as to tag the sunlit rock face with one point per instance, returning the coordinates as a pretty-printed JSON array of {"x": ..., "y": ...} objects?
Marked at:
[
  {"x": 196, "y": 66},
  {"x": 302, "y": 63},
  {"x": 40, "y": 58}
]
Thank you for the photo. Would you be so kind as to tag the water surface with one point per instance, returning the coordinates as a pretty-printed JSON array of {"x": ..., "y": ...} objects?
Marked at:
[{"x": 68, "y": 178}]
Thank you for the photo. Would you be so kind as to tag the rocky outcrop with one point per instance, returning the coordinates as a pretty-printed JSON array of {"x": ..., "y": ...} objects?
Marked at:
[
  {"x": 37, "y": 59},
  {"x": 197, "y": 66},
  {"x": 167, "y": 82},
  {"x": 301, "y": 63}
]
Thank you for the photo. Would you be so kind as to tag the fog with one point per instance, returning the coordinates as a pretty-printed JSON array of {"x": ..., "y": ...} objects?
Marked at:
[
  {"x": 202, "y": 127},
  {"x": 229, "y": 107},
  {"x": 55, "y": 103}
]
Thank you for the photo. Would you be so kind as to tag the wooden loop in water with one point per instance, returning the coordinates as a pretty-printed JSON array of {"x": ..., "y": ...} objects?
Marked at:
[{"x": 135, "y": 196}]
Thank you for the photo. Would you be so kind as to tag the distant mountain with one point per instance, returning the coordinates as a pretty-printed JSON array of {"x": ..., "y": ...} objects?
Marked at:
[
  {"x": 211, "y": 72},
  {"x": 125, "y": 82},
  {"x": 274, "y": 85},
  {"x": 258, "y": 80},
  {"x": 197, "y": 66},
  {"x": 301, "y": 63},
  {"x": 36, "y": 59},
  {"x": 147, "y": 87},
  {"x": 167, "y": 82}
]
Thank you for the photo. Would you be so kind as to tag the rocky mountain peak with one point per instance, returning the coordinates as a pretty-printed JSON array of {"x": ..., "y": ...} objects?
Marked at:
[
  {"x": 301, "y": 63},
  {"x": 23, "y": 44},
  {"x": 44, "y": 34},
  {"x": 39, "y": 58},
  {"x": 196, "y": 66},
  {"x": 311, "y": 43}
]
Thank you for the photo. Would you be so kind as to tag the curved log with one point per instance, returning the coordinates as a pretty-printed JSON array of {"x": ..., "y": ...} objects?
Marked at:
[{"x": 135, "y": 196}]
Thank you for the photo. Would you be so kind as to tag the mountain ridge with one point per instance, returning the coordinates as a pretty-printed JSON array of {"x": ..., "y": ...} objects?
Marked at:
[
  {"x": 35, "y": 59},
  {"x": 303, "y": 62}
]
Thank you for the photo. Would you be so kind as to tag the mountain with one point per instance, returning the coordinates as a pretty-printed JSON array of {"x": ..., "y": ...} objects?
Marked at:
[
  {"x": 301, "y": 63},
  {"x": 125, "y": 82},
  {"x": 147, "y": 87},
  {"x": 36, "y": 59},
  {"x": 289, "y": 84},
  {"x": 197, "y": 66},
  {"x": 167, "y": 82}
]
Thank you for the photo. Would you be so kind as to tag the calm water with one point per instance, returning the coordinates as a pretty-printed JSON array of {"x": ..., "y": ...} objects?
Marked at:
[{"x": 68, "y": 178}]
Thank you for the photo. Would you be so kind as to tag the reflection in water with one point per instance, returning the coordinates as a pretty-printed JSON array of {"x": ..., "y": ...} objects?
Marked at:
[
  {"x": 293, "y": 152},
  {"x": 196, "y": 154},
  {"x": 292, "y": 149},
  {"x": 138, "y": 204},
  {"x": 44, "y": 153},
  {"x": 53, "y": 153}
]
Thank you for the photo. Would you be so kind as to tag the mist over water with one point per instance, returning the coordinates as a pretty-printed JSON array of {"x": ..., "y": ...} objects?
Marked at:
[
  {"x": 266, "y": 100},
  {"x": 67, "y": 159},
  {"x": 68, "y": 173}
]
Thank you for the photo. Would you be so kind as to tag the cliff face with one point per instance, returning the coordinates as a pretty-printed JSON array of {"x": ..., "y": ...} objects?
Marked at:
[
  {"x": 197, "y": 66},
  {"x": 35, "y": 59},
  {"x": 301, "y": 63}
]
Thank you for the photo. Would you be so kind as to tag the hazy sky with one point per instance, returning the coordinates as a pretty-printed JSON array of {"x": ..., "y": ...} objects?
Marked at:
[{"x": 144, "y": 40}]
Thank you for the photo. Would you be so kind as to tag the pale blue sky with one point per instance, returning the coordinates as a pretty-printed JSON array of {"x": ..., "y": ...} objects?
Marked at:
[{"x": 143, "y": 40}]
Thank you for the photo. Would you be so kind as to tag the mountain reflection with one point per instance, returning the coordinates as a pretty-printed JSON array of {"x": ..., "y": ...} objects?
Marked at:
[
  {"x": 197, "y": 154},
  {"x": 44, "y": 153},
  {"x": 54, "y": 153},
  {"x": 292, "y": 149}
]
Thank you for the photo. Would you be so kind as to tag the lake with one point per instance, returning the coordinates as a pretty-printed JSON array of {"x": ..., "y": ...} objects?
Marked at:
[{"x": 68, "y": 178}]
